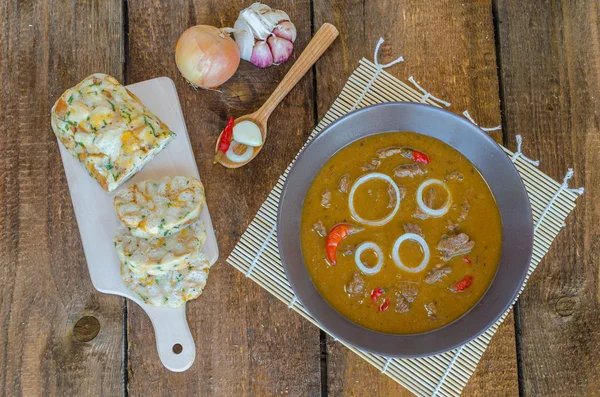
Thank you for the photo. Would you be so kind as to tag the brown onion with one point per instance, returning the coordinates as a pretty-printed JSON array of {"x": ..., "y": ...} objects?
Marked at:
[{"x": 206, "y": 56}]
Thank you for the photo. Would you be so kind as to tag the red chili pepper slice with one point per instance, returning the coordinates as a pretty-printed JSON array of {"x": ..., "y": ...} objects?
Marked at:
[
  {"x": 467, "y": 260},
  {"x": 226, "y": 136},
  {"x": 419, "y": 157},
  {"x": 335, "y": 236},
  {"x": 462, "y": 284},
  {"x": 385, "y": 305},
  {"x": 377, "y": 292}
]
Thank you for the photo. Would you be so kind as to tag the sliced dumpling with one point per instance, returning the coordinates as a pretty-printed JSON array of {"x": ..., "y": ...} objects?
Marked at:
[
  {"x": 160, "y": 208},
  {"x": 172, "y": 289},
  {"x": 157, "y": 256}
]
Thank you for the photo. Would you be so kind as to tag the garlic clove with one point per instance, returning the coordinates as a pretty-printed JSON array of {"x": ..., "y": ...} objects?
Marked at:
[
  {"x": 243, "y": 38},
  {"x": 276, "y": 16},
  {"x": 286, "y": 30},
  {"x": 248, "y": 133},
  {"x": 280, "y": 48},
  {"x": 262, "y": 55},
  {"x": 261, "y": 28}
]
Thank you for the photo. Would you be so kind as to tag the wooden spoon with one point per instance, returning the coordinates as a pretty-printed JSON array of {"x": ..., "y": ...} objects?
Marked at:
[{"x": 313, "y": 51}]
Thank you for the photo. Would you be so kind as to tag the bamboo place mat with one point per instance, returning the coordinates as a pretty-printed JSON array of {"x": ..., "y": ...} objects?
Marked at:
[{"x": 256, "y": 255}]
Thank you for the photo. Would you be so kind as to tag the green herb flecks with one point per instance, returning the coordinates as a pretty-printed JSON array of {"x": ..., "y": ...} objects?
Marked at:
[
  {"x": 162, "y": 224},
  {"x": 109, "y": 166},
  {"x": 150, "y": 125},
  {"x": 112, "y": 105},
  {"x": 126, "y": 115},
  {"x": 70, "y": 100},
  {"x": 80, "y": 144}
]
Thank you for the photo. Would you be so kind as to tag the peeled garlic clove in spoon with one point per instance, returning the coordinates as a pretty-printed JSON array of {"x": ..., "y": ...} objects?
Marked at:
[{"x": 247, "y": 133}]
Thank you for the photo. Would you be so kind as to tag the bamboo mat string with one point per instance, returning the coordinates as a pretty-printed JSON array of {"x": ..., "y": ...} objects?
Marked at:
[
  {"x": 447, "y": 372},
  {"x": 468, "y": 116},
  {"x": 563, "y": 186},
  {"x": 427, "y": 94},
  {"x": 387, "y": 364},
  {"x": 379, "y": 69},
  {"x": 260, "y": 251},
  {"x": 293, "y": 302},
  {"x": 519, "y": 153}
]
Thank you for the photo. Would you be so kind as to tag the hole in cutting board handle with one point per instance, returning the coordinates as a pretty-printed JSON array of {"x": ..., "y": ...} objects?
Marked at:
[{"x": 177, "y": 348}]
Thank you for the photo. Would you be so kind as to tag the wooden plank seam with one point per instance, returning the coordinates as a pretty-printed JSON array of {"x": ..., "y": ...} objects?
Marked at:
[{"x": 257, "y": 255}]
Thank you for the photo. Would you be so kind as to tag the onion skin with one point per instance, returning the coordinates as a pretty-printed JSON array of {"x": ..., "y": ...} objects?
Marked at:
[
  {"x": 280, "y": 48},
  {"x": 206, "y": 56}
]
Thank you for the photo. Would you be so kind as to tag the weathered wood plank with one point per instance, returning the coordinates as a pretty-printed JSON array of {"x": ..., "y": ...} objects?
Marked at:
[
  {"x": 248, "y": 343},
  {"x": 550, "y": 58},
  {"x": 448, "y": 47},
  {"x": 44, "y": 283}
]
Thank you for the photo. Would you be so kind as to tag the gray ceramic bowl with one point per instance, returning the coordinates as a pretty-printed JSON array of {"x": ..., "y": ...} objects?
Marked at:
[{"x": 496, "y": 168}]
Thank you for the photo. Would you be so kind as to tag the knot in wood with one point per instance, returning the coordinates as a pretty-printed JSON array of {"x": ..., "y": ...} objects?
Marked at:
[
  {"x": 566, "y": 305},
  {"x": 86, "y": 329}
]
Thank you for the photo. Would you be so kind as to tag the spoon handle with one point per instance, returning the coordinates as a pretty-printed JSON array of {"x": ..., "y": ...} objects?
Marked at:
[{"x": 313, "y": 51}]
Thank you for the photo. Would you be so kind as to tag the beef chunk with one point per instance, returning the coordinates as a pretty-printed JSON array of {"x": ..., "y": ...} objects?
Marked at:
[
  {"x": 371, "y": 164},
  {"x": 402, "y": 305},
  {"x": 344, "y": 183},
  {"x": 464, "y": 211},
  {"x": 431, "y": 309},
  {"x": 438, "y": 273},
  {"x": 389, "y": 151},
  {"x": 326, "y": 198},
  {"x": 452, "y": 226},
  {"x": 409, "y": 170},
  {"x": 454, "y": 246},
  {"x": 394, "y": 150},
  {"x": 349, "y": 250},
  {"x": 454, "y": 175},
  {"x": 413, "y": 228},
  {"x": 319, "y": 228},
  {"x": 356, "y": 287},
  {"x": 420, "y": 214},
  {"x": 409, "y": 291}
]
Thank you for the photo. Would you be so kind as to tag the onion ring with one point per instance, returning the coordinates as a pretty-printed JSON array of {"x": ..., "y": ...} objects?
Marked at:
[
  {"x": 396, "y": 255},
  {"x": 430, "y": 211},
  {"x": 362, "y": 248},
  {"x": 239, "y": 158},
  {"x": 360, "y": 181}
]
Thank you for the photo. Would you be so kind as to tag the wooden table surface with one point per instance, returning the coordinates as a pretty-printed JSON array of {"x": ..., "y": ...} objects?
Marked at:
[{"x": 533, "y": 66}]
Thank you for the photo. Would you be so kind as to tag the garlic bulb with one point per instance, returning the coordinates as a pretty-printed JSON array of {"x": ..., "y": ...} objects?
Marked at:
[{"x": 264, "y": 36}]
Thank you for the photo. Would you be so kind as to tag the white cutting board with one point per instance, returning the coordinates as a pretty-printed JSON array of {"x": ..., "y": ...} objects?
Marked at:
[{"x": 98, "y": 221}]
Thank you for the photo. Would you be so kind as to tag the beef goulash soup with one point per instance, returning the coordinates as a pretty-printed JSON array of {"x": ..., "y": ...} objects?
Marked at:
[{"x": 400, "y": 233}]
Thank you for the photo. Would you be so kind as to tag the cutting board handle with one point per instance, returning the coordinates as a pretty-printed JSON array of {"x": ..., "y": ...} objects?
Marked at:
[{"x": 174, "y": 341}]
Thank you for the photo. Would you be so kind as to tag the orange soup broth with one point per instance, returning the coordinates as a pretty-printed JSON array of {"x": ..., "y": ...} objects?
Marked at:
[{"x": 483, "y": 225}]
